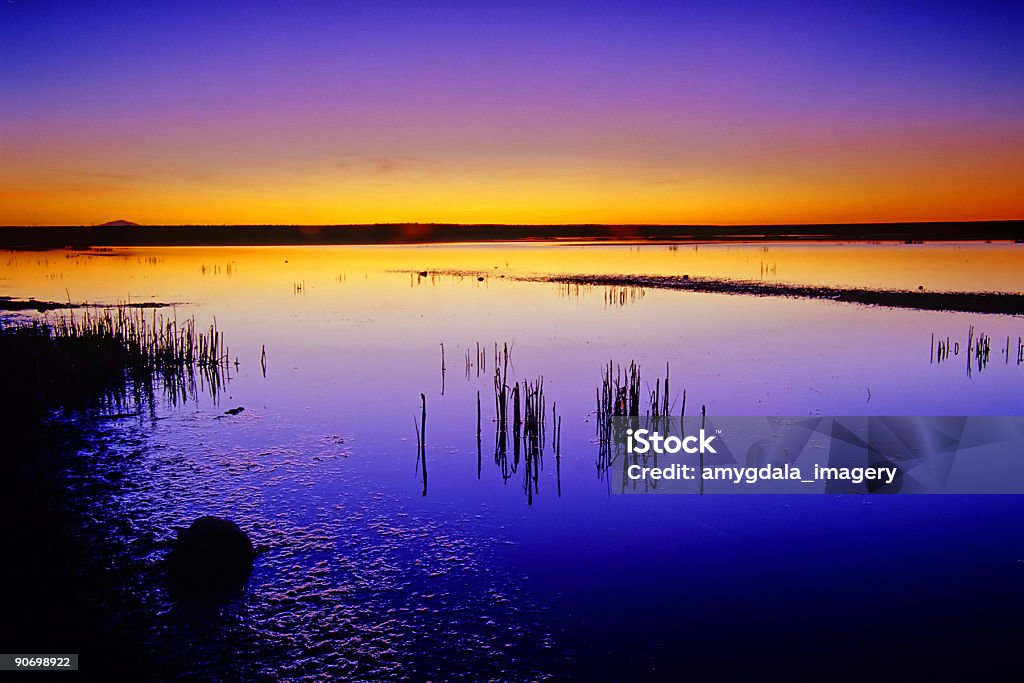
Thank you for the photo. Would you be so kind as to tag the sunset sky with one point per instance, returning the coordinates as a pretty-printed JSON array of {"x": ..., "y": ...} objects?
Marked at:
[{"x": 353, "y": 112}]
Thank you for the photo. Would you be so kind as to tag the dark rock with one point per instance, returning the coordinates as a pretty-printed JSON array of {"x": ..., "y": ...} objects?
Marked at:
[
  {"x": 234, "y": 411},
  {"x": 213, "y": 557}
]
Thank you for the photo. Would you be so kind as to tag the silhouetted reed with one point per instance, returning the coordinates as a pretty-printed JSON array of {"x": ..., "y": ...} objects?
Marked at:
[
  {"x": 443, "y": 368},
  {"x": 700, "y": 473},
  {"x": 529, "y": 429},
  {"x": 526, "y": 430},
  {"x": 501, "y": 391},
  {"x": 978, "y": 350},
  {"x": 477, "y": 361},
  {"x": 614, "y": 296},
  {"x": 421, "y": 441},
  {"x": 501, "y": 396},
  {"x": 620, "y": 396},
  {"x": 111, "y": 358},
  {"x": 478, "y": 439}
]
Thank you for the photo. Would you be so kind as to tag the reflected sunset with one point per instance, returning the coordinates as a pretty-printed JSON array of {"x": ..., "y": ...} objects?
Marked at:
[{"x": 255, "y": 272}]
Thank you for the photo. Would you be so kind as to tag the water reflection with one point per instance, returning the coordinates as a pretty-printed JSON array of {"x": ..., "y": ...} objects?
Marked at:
[
  {"x": 613, "y": 296},
  {"x": 977, "y": 350},
  {"x": 493, "y": 571}
]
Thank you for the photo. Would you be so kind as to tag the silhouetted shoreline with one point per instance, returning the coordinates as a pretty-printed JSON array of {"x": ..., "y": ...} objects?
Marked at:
[
  {"x": 961, "y": 302},
  {"x": 38, "y": 238},
  {"x": 1000, "y": 303},
  {"x": 10, "y": 304}
]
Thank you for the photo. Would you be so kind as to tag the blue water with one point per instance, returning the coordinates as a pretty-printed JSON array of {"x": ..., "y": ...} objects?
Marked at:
[{"x": 360, "y": 576}]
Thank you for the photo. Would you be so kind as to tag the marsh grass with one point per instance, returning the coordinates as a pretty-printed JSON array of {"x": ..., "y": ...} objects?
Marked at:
[
  {"x": 421, "y": 442},
  {"x": 524, "y": 431},
  {"x": 112, "y": 358},
  {"x": 622, "y": 394},
  {"x": 977, "y": 348}
]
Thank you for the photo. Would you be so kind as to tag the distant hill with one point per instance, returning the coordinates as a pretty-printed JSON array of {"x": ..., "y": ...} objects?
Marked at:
[{"x": 119, "y": 223}]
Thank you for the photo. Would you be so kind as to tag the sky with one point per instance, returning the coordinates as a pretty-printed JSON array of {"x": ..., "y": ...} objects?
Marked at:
[{"x": 524, "y": 112}]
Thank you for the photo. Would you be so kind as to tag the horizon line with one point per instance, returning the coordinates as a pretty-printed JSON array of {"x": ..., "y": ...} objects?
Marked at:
[{"x": 122, "y": 223}]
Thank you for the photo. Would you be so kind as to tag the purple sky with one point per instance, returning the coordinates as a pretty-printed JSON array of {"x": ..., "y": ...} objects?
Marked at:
[{"x": 612, "y": 112}]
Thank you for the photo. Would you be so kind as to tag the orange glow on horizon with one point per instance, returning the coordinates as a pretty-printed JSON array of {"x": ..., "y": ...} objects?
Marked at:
[{"x": 921, "y": 176}]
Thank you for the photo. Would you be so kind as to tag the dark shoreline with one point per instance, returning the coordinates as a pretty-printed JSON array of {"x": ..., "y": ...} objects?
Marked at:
[
  {"x": 83, "y": 237},
  {"x": 994, "y": 303},
  {"x": 10, "y": 304},
  {"x": 998, "y": 303},
  {"x": 68, "y": 584}
]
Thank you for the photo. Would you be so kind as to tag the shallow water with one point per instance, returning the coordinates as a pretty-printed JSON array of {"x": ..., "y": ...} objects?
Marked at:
[{"x": 484, "y": 577}]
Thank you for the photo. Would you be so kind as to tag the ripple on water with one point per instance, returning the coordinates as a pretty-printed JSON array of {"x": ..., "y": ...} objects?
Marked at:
[{"x": 357, "y": 586}]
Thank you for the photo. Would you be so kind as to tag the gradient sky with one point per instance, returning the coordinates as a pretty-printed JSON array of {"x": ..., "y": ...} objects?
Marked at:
[{"x": 351, "y": 112}]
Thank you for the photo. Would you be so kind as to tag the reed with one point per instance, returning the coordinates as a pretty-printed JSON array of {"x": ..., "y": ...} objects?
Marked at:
[
  {"x": 111, "y": 356},
  {"x": 477, "y": 361},
  {"x": 501, "y": 390},
  {"x": 531, "y": 433},
  {"x": 444, "y": 369},
  {"x": 524, "y": 429},
  {"x": 620, "y": 395},
  {"x": 700, "y": 474},
  {"x": 659, "y": 400},
  {"x": 970, "y": 340},
  {"x": 533, "y": 412},
  {"x": 978, "y": 350},
  {"x": 421, "y": 441},
  {"x": 982, "y": 351},
  {"x": 614, "y": 296},
  {"x": 478, "y": 440}
]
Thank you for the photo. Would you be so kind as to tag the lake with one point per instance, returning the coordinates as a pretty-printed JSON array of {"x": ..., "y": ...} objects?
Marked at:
[{"x": 368, "y": 572}]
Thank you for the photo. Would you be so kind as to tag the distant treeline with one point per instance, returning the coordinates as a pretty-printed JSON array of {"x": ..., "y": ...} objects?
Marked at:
[{"x": 421, "y": 233}]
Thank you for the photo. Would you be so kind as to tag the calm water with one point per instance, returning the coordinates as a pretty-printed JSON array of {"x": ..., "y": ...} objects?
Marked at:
[{"x": 362, "y": 576}]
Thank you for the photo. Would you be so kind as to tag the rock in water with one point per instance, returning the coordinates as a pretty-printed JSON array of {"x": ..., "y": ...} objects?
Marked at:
[{"x": 212, "y": 557}]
